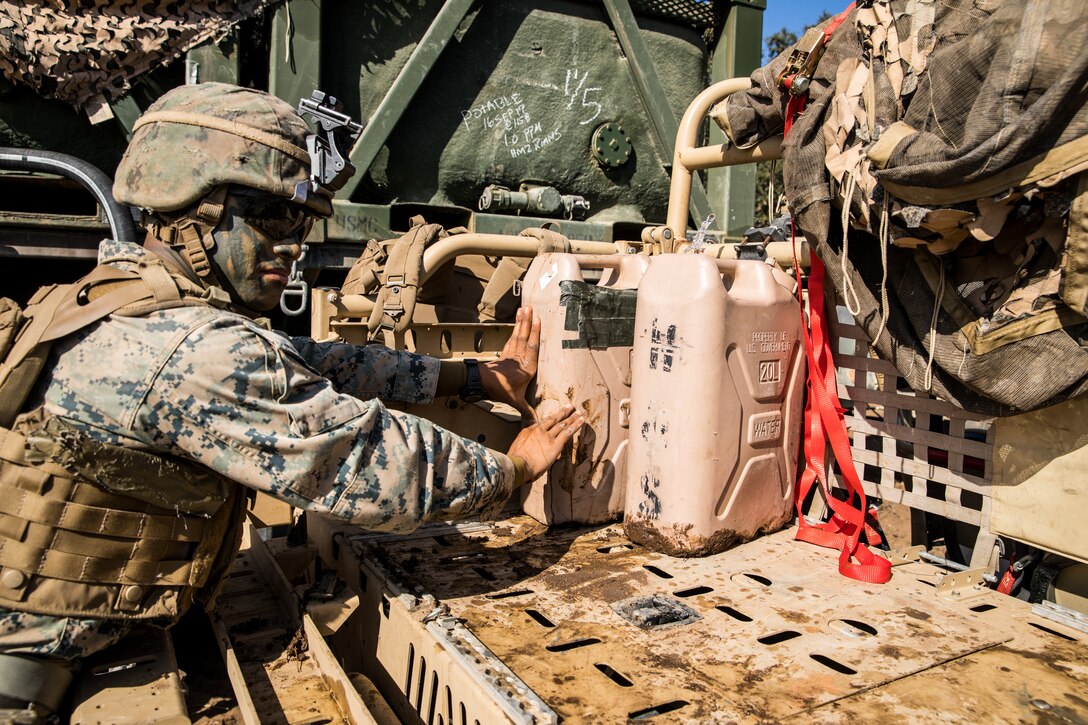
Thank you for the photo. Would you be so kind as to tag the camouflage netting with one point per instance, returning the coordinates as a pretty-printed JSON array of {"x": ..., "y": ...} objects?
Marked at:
[
  {"x": 88, "y": 53},
  {"x": 956, "y": 131}
]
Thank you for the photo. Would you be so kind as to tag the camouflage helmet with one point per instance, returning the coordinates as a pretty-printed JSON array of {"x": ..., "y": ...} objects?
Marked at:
[{"x": 200, "y": 137}]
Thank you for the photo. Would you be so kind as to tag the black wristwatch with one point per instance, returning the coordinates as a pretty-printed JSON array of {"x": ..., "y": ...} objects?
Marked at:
[{"x": 473, "y": 391}]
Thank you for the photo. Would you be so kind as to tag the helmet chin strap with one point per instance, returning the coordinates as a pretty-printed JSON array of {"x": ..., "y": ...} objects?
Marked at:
[
  {"x": 193, "y": 235},
  {"x": 190, "y": 238}
]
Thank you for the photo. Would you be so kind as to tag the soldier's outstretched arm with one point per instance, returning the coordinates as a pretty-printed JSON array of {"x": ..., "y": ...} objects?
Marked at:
[
  {"x": 244, "y": 402},
  {"x": 372, "y": 371},
  {"x": 369, "y": 371}
]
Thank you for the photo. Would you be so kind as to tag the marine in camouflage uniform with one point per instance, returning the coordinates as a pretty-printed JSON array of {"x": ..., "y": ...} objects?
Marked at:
[{"x": 202, "y": 381}]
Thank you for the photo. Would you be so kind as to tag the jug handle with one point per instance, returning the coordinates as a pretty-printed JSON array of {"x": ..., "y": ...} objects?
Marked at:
[{"x": 731, "y": 266}]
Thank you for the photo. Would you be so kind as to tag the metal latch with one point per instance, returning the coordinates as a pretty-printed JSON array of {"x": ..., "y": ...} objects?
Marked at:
[
  {"x": 296, "y": 287},
  {"x": 961, "y": 584},
  {"x": 899, "y": 557},
  {"x": 801, "y": 65}
]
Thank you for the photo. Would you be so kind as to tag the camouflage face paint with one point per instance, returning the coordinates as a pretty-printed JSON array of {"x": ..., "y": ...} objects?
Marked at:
[{"x": 251, "y": 259}]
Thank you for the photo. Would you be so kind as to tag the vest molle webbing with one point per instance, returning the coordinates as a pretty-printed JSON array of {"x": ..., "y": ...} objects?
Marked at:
[
  {"x": 70, "y": 546},
  {"x": 90, "y": 529}
]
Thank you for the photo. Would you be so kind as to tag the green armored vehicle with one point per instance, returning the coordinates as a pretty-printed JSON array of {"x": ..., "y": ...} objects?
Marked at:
[{"x": 492, "y": 116}]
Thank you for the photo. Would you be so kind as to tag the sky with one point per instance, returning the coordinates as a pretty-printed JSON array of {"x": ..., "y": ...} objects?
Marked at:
[{"x": 796, "y": 14}]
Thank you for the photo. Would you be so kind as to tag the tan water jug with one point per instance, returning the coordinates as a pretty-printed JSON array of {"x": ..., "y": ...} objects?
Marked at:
[
  {"x": 717, "y": 378},
  {"x": 586, "y": 304}
]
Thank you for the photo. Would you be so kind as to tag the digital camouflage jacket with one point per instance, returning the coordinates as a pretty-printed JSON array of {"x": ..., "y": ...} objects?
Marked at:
[{"x": 294, "y": 418}]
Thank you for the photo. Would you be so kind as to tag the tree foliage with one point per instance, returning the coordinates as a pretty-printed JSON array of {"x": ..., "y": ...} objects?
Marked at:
[{"x": 777, "y": 42}]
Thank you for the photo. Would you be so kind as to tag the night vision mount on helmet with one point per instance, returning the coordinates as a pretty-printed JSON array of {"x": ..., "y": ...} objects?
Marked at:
[
  {"x": 196, "y": 141},
  {"x": 329, "y": 169}
]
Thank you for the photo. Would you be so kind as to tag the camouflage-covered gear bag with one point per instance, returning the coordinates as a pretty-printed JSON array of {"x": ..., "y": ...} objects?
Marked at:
[
  {"x": 198, "y": 138},
  {"x": 88, "y": 53},
  {"x": 947, "y": 139}
]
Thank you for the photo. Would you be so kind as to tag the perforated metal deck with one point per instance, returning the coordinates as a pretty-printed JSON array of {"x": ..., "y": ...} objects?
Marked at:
[{"x": 779, "y": 634}]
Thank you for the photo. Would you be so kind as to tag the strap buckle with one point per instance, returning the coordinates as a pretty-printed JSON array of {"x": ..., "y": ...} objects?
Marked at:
[
  {"x": 393, "y": 308},
  {"x": 796, "y": 77}
]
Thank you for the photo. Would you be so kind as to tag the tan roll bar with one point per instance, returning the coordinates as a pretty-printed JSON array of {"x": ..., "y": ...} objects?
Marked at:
[
  {"x": 499, "y": 245},
  {"x": 780, "y": 252},
  {"x": 688, "y": 158},
  {"x": 506, "y": 245}
]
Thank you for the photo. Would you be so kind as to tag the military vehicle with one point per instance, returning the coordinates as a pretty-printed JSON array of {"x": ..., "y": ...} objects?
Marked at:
[
  {"x": 558, "y": 612},
  {"x": 496, "y": 117}
]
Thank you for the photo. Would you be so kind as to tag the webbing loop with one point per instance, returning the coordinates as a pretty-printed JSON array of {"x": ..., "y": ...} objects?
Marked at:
[{"x": 824, "y": 416}]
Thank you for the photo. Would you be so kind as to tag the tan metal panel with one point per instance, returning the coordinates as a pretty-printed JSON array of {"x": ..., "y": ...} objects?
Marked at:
[{"x": 1040, "y": 492}]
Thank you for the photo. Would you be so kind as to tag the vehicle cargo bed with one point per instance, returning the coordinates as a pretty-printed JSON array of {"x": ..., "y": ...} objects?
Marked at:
[{"x": 582, "y": 626}]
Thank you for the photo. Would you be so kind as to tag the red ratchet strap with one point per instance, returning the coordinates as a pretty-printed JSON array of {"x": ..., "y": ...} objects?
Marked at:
[
  {"x": 824, "y": 422},
  {"x": 796, "y": 103},
  {"x": 1008, "y": 581}
]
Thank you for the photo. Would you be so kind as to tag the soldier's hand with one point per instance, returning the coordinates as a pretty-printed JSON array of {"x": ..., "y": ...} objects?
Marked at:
[
  {"x": 540, "y": 444},
  {"x": 506, "y": 379}
]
